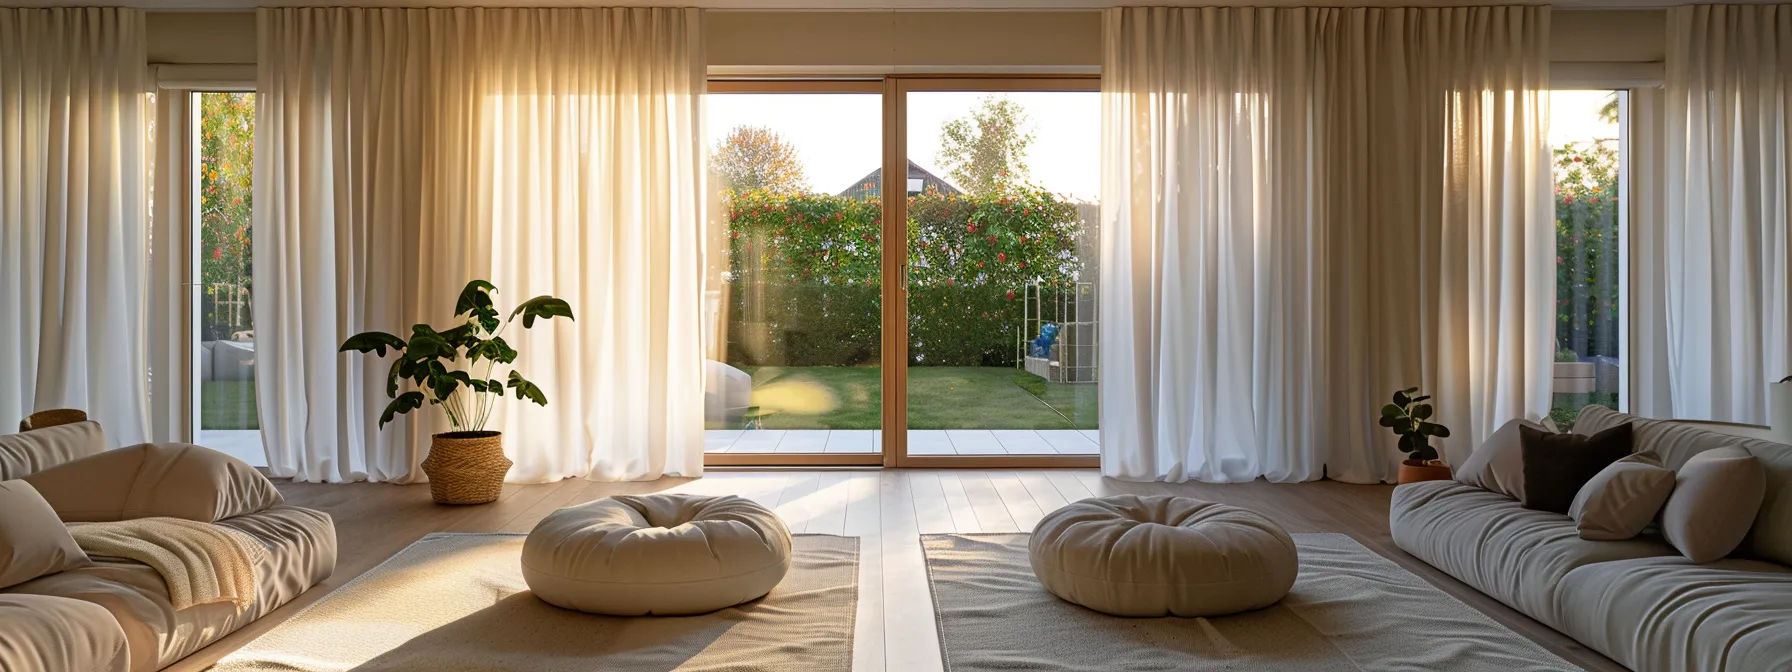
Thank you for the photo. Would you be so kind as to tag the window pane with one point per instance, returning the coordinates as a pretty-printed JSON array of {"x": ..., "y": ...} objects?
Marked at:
[
  {"x": 796, "y": 366},
  {"x": 1003, "y": 224},
  {"x": 1585, "y": 133},
  {"x": 228, "y": 420}
]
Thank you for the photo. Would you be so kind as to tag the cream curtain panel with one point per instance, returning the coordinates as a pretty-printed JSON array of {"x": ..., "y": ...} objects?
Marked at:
[
  {"x": 553, "y": 151},
  {"x": 1307, "y": 209},
  {"x": 1722, "y": 248},
  {"x": 73, "y": 225}
]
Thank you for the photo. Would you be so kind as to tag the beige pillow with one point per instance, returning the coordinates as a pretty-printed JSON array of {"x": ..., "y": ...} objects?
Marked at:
[
  {"x": 33, "y": 541},
  {"x": 176, "y": 480},
  {"x": 1498, "y": 465},
  {"x": 27, "y": 453},
  {"x": 1716, "y": 496},
  {"x": 1622, "y": 499}
]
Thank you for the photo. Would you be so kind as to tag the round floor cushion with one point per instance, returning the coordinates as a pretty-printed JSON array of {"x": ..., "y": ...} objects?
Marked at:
[
  {"x": 1161, "y": 555},
  {"x": 661, "y": 554}
]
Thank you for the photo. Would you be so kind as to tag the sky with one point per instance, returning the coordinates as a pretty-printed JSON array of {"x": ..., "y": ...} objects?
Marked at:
[{"x": 839, "y": 135}]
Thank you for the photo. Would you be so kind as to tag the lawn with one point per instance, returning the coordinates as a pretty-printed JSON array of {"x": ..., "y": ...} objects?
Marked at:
[
  {"x": 940, "y": 397},
  {"x": 228, "y": 404}
]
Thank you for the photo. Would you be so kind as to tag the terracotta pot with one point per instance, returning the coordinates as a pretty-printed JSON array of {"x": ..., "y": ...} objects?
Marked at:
[
  {"x": 466, "y": 467},
  {"x": 1415, "y": 471}
]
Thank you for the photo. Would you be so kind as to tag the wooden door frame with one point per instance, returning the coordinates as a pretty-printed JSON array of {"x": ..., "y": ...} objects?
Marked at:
[
  {"x": 896, "y": 255},
  {"x": 894, "y": 342}
]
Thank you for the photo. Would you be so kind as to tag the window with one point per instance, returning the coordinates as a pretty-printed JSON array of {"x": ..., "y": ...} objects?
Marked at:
[
  {"x": 224, "y": 253},
  {"x": 1586, "y": 137}
]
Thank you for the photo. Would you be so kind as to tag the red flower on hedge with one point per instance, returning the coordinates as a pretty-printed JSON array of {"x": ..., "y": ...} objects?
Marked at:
[
  {"x": 948, "y": 282},
  {"x": 972, "y": 228},
  {"x": 218, "y": 253},
  {"x": 1010, "y": 295},
  {"x": 1023, "y": 264},
  {"x": 1001, "y": 257},
  {"x": 992, "y": 240},
  {"x": 979, "y": 264}
]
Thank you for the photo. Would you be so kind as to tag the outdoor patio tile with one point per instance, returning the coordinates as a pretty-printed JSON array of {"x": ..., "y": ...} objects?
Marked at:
[
  {"x": 975, "y": 442},
  {"x": 854, "y": 441},
  {"x": 719, "y": 440},
  {"x": 1070, "y": 442},
  {"x": 758, "y": 441},
  {"x": 804, "y": 441},
  {"x": 929, "y": 442},
  {"x": 1023, "y": 442}
]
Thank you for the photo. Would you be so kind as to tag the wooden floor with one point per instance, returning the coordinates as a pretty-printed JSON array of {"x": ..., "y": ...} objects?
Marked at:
[{"x": 887, "y": 510}]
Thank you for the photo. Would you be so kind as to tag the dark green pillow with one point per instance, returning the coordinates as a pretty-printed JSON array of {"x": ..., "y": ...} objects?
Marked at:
[{"x": 1557, "y": 465}]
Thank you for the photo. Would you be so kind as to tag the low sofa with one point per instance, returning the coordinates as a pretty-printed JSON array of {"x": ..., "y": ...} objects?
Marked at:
[
  {"x": 117, "y": 615},
  {"x": 1638, "y": 601}
]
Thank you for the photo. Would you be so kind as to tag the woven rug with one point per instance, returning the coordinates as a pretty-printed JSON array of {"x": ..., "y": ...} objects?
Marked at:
[
  {"x": 458, "y": 602},
  {"x": 1350, "y": 610}
]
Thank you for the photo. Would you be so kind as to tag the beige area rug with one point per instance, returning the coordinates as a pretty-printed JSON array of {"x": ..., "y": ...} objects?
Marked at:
[
  {"x": 458, "y": 602},
  {"x": 1350, "y": 609}
]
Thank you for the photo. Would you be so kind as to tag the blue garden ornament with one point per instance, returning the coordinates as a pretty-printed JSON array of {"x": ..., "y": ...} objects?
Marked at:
[{"x": 1048, "y": 335}]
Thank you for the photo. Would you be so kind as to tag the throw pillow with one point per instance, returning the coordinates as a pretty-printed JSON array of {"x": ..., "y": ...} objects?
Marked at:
[
  {"x": 1716, "y": 496},
  {"x": 33, "y": 541},
  {"x": 176, "y": 480},
  {"x": 1557, "y": 465},
  {"x": 1622, "y": 498},
  {"x": 1498, "y": 465},
  {"x": 27, "y": 453}
]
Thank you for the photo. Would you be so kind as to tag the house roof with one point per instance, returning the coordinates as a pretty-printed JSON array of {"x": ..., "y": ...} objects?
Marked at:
[{"x": 871, "y": 184}]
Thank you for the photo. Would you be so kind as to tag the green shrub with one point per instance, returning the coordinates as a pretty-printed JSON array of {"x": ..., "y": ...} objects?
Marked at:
[{"x": 805, "y": 275}]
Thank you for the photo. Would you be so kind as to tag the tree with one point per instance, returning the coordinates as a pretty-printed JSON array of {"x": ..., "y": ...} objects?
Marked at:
[
  {"x": 755, "y": 157},
  {"x": 985, "y": 153}
]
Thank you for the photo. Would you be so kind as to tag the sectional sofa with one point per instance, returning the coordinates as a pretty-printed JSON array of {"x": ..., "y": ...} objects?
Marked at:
[
  {"x": 117, "y": 615},
  {"x": 1637, "y": 601}
]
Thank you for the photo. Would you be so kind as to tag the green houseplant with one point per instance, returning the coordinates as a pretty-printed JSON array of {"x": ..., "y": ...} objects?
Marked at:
[
  {"x": 1410, "y": 419},
  {"x": 456, "y": 370}
]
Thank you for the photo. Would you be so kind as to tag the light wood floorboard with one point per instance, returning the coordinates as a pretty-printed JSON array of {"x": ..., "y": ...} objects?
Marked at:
[{"x": 887, "y": 510}]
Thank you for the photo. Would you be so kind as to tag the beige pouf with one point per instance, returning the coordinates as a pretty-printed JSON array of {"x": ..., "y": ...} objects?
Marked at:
[
  {"x": 665, "y": 554},
  {"x": 1158, "y": 556}
]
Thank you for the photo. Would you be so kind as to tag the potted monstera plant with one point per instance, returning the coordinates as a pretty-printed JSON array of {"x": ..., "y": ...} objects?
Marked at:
[
  {"x": 1410, "y": 418},
  {"x": 457, "y": 370}
]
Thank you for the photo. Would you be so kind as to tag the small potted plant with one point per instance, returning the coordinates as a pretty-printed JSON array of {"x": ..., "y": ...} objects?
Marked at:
[
  {"x": 454, "y": 369},
  {"x": 1410, "y": 419}
]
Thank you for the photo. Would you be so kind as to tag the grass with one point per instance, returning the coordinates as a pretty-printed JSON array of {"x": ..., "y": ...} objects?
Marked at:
[
  {"x": 940, "y": 397},
  {"x": 228, "y": 404},
  {"x": 832, "y": 397}
]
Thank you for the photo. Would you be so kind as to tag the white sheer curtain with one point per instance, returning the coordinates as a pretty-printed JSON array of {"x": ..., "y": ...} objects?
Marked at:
[
  {"x": 407, "y": 151},
  {"x": 73, "y": 230},
  {"x": 1724, "y": 239},
  {"x": 1307, "y": 209}
]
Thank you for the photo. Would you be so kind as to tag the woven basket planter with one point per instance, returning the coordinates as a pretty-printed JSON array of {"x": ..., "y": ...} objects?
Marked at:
[{"x": 466, "y": 467}]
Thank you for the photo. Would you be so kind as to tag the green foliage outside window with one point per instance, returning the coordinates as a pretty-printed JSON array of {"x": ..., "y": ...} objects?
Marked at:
[
  {"x": 1586, "y": 199},
  {"x": 806, "y": 274},
  {"x": 226, "y": 159}
]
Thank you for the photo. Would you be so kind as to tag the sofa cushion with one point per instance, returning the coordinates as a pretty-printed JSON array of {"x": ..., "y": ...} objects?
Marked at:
[
  {"x": 1770, "y": 537},
  {"x": 177, "y": 480},
  {"x": 301, "y": 551},
  {"x": 1622, "y": 498},
  {"x": 1716, "y": 496},
  {"x": 39, "y": 632},
  {"x": 1498, "y": 465},
  {"x": 1668, "y": 614},
  {"x": 1556, "y": 466},
  {"x": 33, "y": 541},
  {"x": 1494, "y": 544},
  {"x": 27, "y": 453}
]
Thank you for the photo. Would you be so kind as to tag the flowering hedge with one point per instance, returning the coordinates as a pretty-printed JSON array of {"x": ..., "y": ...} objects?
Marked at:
[
  {"x": 1586, "y": 180},
  {"x": 806, "y": 276}
]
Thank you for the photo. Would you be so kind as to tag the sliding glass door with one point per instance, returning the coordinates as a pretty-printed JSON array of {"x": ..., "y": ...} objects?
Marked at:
[
  {"x": 795, "y": 286},
  {"x": 908, "y": 253},
  {"x": 1004, "y": 180},
  {"x": 224, "y": 315}
]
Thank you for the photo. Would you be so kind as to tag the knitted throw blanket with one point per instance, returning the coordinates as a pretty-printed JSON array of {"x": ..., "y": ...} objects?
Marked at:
[{"x": 201, "y": 563}]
